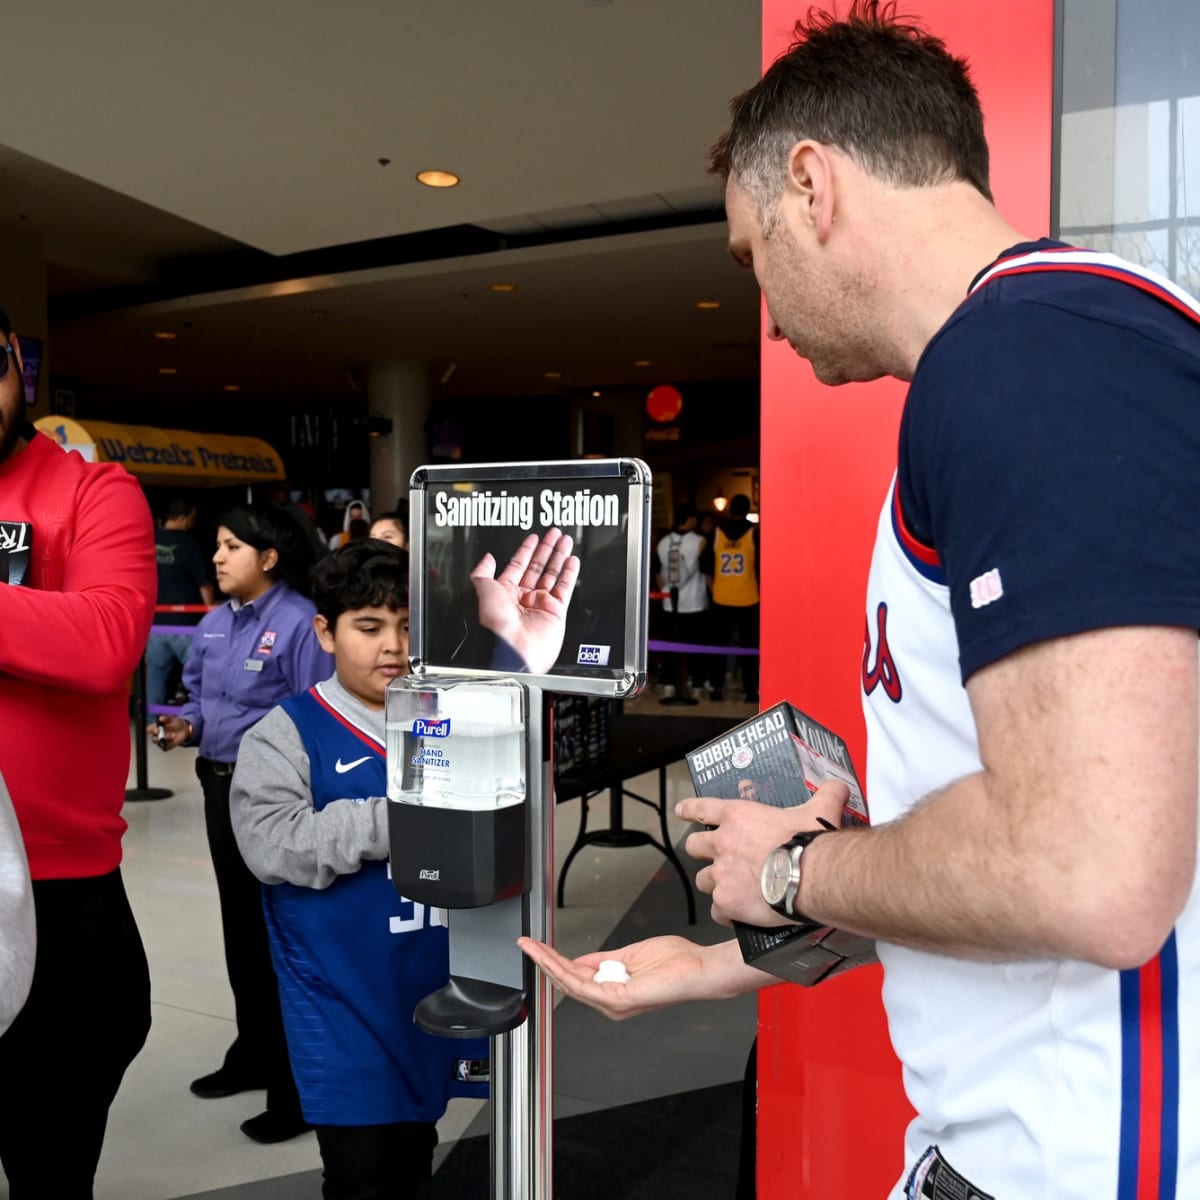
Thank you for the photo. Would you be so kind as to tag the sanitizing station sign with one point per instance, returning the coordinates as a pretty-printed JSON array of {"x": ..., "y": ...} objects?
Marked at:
[{"x": 458, "y": 514}]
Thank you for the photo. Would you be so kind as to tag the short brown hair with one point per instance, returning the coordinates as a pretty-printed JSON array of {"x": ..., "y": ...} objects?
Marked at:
[{"x": 871, "y": 84}]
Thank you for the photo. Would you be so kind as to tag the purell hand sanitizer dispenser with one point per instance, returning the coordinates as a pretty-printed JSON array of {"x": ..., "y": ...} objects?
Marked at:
[
  {"x": 470, "y": 777},
  {"x": 458, "y": 827}
]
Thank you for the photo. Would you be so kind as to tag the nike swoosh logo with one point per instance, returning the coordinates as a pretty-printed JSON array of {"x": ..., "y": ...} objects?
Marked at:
[{"x": 341, "y": 768}]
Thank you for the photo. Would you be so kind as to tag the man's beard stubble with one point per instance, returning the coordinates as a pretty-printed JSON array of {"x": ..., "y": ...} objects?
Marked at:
[{"x": 10, "y": 431}]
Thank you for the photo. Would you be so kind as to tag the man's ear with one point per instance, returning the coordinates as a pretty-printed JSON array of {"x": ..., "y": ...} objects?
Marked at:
[
  {"x": 15, "y": 343},
  {"x": 810, "y": 183},
  {"x": 324, "y": 632}
]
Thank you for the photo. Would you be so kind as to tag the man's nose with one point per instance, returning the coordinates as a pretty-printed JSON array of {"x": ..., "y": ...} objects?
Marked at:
[{"x": 773, "y": 331}]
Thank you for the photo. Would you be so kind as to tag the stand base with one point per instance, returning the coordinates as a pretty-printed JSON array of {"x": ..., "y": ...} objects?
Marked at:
[
  {"x": 619, "y": 839},
  {"x": 467, "y": 1008},
  {"x": 147, "y": 793}
]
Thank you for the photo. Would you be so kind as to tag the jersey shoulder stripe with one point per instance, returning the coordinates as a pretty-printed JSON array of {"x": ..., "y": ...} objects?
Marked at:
[{"x": 1092, "y": 262}]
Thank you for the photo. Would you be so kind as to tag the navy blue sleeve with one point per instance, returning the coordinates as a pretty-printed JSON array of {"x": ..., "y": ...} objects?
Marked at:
[
  {"x": 1053, "y": 462},
  {"x": 505, "y": 658}
]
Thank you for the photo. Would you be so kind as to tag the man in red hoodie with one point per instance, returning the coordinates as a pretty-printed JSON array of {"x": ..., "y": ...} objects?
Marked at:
[{"x": 77, "y": 587}]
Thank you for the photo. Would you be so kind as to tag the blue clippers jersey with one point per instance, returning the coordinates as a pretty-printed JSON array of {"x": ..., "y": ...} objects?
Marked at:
[{"x": 354, "y": 959}]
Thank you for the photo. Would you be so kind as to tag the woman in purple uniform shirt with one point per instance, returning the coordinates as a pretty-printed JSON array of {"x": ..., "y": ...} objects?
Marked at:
[{"x": 249, "y": 654}]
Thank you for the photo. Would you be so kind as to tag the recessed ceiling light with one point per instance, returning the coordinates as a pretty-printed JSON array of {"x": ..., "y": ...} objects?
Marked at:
[
  {"x": 233, "y": 387},
  {"x": 596, "y": 395},
  {"x": 642, "y": 362},
  {"x": 708, "y": 304},
  {"x": 553, "y": 374},
  {"x": 168, "y": 371},
  {"x": 165, "y": 335},
  {"x": 437, "y": 179},
  {"x": 504, "y": 287}
]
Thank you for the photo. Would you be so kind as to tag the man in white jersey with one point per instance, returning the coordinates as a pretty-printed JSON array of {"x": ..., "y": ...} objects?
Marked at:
[{"x": 1031, "y": 671}]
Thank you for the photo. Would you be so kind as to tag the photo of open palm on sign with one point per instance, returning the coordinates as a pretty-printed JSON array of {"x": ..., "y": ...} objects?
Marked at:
[{"x": 526, "y": 603}]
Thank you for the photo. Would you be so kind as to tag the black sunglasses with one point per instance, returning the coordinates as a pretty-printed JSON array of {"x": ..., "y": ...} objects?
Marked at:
[{"x": 8, "y": 350}]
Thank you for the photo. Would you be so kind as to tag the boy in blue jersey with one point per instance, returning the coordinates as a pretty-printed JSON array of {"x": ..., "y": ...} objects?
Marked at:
[{"x": 353, "y": 958}]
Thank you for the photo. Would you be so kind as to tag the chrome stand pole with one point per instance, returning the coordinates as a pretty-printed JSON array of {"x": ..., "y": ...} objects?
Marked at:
[{"x": 522, "y": 1075}]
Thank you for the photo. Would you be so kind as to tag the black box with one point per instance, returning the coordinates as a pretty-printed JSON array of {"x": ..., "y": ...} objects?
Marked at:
[{"x": 780, "y": 757}]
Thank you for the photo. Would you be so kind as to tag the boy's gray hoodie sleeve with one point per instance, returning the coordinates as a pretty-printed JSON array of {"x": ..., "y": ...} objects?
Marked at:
[
  {"x": 281, "y": 837},
  {"x": 18, "y": 940}
]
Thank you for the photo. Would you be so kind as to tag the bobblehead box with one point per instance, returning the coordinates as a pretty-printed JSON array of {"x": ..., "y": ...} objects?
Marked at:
[{"x": 780, "y": 757}]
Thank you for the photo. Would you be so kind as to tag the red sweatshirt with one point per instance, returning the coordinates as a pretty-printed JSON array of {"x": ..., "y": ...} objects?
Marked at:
[{"x": 70, "y": 637}]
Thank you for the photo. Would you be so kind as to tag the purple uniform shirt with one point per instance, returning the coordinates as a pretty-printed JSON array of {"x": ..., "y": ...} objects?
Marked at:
[{"x": 246, "y": 658}]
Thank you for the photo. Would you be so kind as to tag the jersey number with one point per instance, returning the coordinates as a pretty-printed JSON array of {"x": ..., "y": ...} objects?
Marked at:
[
  {"x": 733, "y": 564},
  {"x": 415, "y": 922}
]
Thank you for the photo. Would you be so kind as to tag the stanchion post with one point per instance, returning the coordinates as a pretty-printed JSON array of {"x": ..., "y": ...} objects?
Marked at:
[{"x": 141, "y": 714}]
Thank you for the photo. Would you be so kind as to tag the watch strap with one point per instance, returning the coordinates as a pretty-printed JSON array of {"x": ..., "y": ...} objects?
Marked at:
[{"x": 797, "y": 841}]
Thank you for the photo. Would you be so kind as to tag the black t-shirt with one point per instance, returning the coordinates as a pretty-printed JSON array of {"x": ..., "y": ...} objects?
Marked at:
[{"x": 182, "y": 571}]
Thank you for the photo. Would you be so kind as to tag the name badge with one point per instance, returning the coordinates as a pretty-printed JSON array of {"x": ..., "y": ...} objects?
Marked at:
[{"x": 252, "y": 664}]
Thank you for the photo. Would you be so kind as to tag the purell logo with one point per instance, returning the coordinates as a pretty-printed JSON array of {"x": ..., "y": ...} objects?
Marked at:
[
  {"x": 431, "y": 728},
  {"x": 593, "y": 656},
  {"x": 432, "y": 876}
]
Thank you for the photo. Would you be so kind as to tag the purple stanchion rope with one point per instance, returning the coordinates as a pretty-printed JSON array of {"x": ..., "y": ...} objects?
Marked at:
[{"x": 690, "y": 648}]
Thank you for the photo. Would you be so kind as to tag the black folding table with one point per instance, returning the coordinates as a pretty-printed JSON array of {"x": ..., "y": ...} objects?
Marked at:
[{"x": 637, "y": 744}]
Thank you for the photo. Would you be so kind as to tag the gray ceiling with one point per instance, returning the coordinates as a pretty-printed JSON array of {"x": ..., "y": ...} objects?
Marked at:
[{"x": 190, "y": 165}]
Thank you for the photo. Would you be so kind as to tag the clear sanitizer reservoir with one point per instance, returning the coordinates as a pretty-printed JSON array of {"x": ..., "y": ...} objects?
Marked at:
[
  {"x": 456, "y": 754},
  {"x": 455, "y": 742}
]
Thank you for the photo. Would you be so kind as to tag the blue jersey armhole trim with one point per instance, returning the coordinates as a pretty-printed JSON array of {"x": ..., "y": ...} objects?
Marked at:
[{"x": 934, "y": 574}]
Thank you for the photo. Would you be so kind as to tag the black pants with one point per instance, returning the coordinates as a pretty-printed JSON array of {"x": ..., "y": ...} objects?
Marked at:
[
  {"x": 747, "y": 1184},
  {"x": 377, "y": 1162},
  {"x": 689, "y": 628},
  {"x": 729, "y": 623},
  {"x": 63, "y": 1058},
  {"x": 260, "y": 1048}
]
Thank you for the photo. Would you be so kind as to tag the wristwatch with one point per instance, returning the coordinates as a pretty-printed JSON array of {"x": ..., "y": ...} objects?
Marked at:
[{"x": 781, "y": 873}]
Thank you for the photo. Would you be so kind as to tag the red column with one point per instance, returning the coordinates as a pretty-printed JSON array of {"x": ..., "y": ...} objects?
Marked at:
[{"x": 831, "y": 1106}]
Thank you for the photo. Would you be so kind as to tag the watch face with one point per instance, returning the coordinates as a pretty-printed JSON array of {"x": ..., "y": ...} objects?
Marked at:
[{"x": 776, "y": 874}]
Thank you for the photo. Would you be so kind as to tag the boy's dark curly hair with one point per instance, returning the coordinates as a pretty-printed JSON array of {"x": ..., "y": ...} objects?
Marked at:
[{"x": 365, "y": 574}]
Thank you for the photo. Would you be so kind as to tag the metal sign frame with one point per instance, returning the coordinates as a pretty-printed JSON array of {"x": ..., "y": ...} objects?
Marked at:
[{"x": 457, "y": 512}]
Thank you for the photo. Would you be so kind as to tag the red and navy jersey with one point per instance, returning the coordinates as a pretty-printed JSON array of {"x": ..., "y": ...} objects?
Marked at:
[
  {"x": 1049, "y": 452},
  {"x": 1048, "y": 483},
  {"x": 354, "y": 959}
]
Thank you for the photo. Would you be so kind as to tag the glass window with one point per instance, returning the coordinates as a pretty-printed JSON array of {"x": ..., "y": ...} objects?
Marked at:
[{"x": 1128, "y": 154}]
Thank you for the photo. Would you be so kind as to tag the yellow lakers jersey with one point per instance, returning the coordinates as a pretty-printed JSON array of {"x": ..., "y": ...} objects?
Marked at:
[{"x": 735, "y": 581}]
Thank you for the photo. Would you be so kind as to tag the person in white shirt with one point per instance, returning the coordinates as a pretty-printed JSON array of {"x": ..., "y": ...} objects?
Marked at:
[{"x": 680, "y": 577}]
